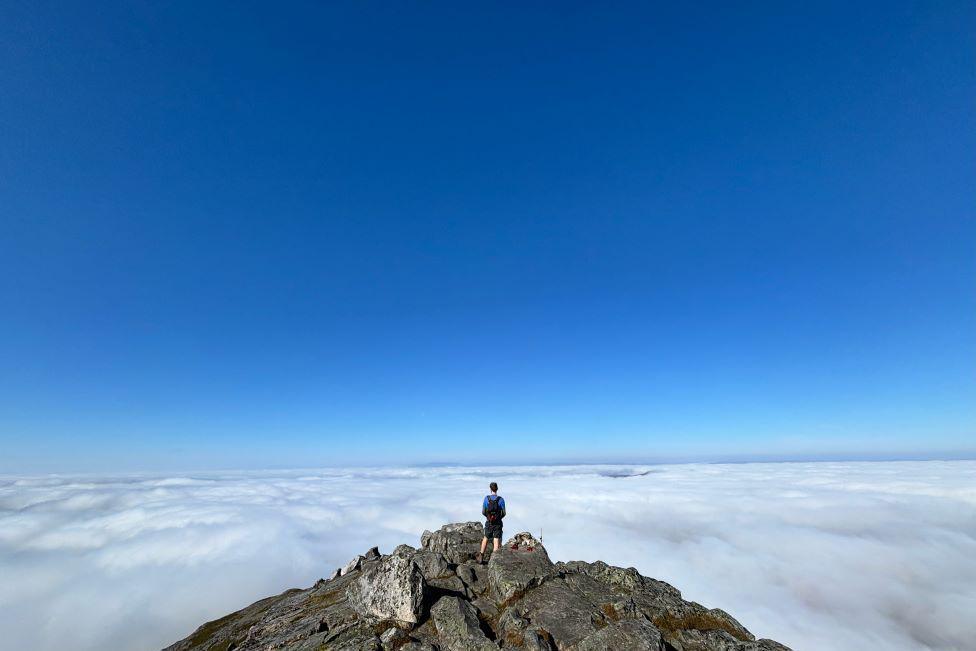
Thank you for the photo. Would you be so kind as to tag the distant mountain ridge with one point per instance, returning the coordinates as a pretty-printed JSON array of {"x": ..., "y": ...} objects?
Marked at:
[{"x": 437, "y": 598}]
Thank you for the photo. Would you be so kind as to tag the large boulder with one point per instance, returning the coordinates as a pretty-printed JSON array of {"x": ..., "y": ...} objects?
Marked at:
[
  {"x": 391, "y": 588},
  {"x": 438, "y": 573},
  {"x": 457, "y": 626},
  {"x": 433, "y": 565},
  {"x": 684, "y": 623},
  {"x": 522, "y": 563},
  {"x": 458, "y": 542},
  {"x": 567, "y": 611}
]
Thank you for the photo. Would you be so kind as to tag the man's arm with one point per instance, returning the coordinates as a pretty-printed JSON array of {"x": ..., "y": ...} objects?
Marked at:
[
  {"x": 484, "y": 508},
  {"x": 501, "y": 503}
]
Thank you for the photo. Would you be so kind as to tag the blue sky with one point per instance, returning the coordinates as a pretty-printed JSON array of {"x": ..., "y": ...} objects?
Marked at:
[{"x": 246, "y": 236}]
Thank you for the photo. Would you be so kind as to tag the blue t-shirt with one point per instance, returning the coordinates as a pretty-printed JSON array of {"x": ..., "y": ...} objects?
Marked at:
[{"x": 501, "y": 503}]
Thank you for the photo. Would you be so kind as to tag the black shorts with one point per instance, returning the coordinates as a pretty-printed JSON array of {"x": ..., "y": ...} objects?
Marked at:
[{"x": 493, "y": 530}]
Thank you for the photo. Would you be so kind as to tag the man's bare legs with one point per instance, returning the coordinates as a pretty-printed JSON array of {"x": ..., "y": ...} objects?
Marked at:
[{"x": 497, "y": 544}]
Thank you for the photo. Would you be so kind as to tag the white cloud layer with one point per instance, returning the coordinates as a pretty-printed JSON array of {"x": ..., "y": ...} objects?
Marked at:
[{"x": 816, "y": 555}]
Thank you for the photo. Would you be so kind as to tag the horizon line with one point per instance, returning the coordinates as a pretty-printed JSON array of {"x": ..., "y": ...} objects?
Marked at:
[{"x": 960, "y": 455}]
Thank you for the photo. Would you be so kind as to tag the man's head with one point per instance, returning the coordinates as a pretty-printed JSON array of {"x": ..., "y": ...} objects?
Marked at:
[{"x": 493, "y": 486}]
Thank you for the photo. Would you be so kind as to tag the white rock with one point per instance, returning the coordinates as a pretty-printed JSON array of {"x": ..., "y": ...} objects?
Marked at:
[{"x": 392, "y": 588}]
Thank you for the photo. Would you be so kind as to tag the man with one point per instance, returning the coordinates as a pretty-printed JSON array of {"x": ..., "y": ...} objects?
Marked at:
[{"x": 493, "y": 508}]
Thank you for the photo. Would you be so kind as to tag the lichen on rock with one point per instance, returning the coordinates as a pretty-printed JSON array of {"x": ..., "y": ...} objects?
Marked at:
[{"x": 392, "y": 588}]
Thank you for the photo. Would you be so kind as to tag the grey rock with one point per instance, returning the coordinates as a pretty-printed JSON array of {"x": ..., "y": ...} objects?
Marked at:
[
  {"x": 404, "y": 550},
  {"x": 474, "y": 576},
  {"x": 372, "y": 554},
  {"x": 624, "y": 634},
  {"x": 458, "y": 542},
  {"x": 453, "y": 585},
  {"x": 417, "y": 646},
  {"x": 394, "y": 637},
  {"x": 426, "y": 633},
  {"x": 556, "y": 608},
  {"x": 353, "y": 565},
  {"x": 539, "y": 639},
  {"x": 522, "y": 563},
  {"x": 391, "y": 589},
  {"x": 520, "y": 599},
  {"x": 457, "y": 626},
  {"x": 766, "y": 644},
  {"x": 433, "y": 565}
]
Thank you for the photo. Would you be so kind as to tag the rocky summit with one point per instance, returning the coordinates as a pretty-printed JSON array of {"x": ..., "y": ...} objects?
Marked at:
[{"x": 438, "y": 598}]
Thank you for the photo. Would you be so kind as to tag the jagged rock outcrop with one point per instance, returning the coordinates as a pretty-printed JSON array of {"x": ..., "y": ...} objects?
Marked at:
[
  {"x": 437, "y": 598},
  {"x": 391, "y": 589},
  {"x": 458, "y": 627}
]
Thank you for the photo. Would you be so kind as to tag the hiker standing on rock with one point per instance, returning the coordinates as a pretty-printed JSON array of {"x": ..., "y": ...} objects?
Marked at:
[{"x": 493, "y": 508}]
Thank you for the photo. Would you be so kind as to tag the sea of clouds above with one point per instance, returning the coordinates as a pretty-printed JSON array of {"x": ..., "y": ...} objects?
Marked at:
[{"x": 815, "y": 555}]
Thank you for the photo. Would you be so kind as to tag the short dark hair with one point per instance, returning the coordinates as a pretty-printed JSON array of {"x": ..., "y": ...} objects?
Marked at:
[{"x": 493, "y": 486}]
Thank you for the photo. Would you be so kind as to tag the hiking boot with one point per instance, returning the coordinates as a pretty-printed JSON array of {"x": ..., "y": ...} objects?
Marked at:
[{"x": 477, "y": 558}]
